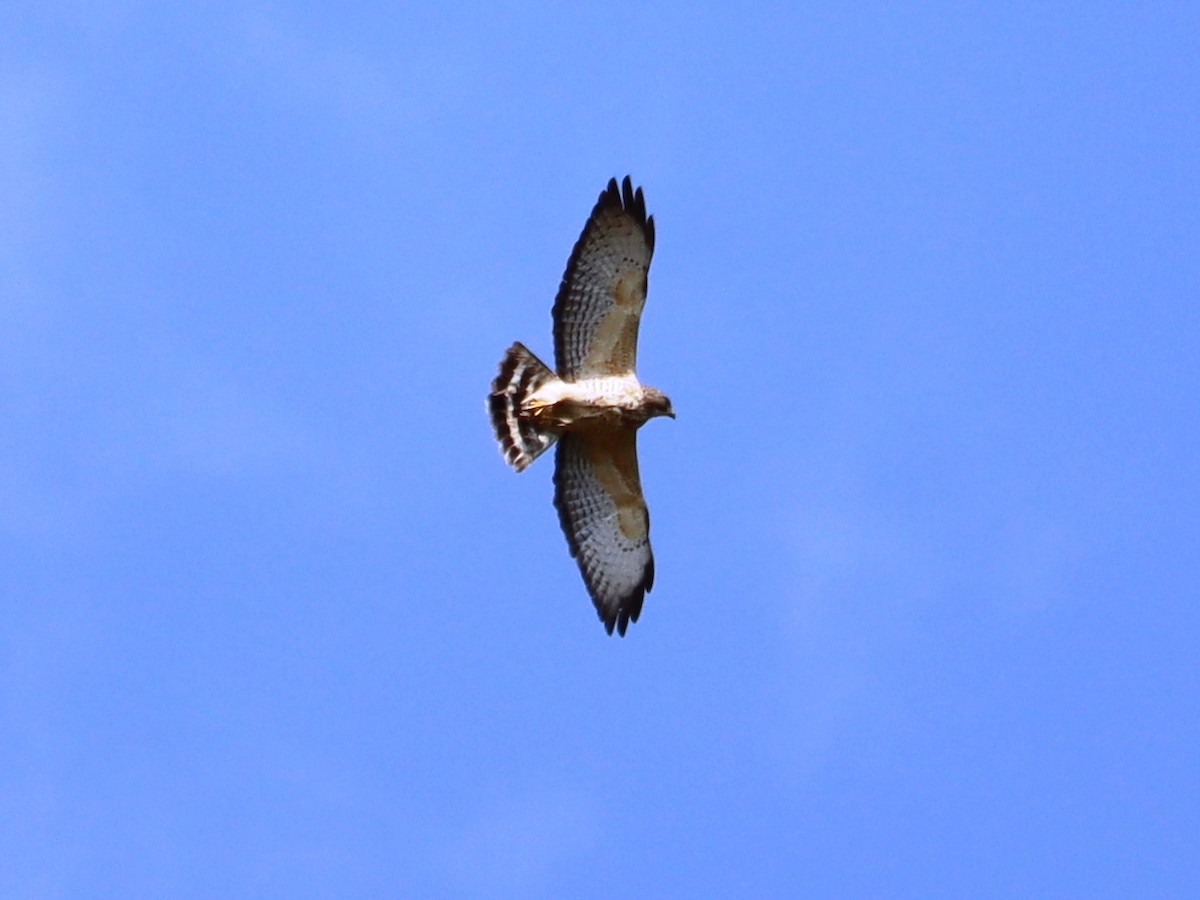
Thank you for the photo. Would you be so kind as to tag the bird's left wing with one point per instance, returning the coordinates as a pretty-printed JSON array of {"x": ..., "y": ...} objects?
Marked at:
[{"x": 598, "y": 494}]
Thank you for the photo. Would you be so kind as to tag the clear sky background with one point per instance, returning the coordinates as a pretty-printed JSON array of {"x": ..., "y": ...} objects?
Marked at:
[{"x": 278, "y": 622}]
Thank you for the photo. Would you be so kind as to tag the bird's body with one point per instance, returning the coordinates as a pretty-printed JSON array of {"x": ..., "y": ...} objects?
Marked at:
[
  {"x": 592, "y": 405},
  {"x": 614, "y": 400}
]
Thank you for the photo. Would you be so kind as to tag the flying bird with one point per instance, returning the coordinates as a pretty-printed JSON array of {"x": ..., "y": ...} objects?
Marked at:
[{"x": 592, "y": 404}]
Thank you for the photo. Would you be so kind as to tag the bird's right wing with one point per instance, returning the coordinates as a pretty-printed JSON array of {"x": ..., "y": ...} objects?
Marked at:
[{"x": 599, "y": 304}]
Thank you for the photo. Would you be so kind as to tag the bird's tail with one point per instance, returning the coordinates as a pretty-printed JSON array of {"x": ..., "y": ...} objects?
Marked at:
[{"x": 522, "y": 439}]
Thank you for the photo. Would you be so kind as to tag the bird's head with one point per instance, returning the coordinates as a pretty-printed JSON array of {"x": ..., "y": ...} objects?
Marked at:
[{"x": 658, "y": 403}]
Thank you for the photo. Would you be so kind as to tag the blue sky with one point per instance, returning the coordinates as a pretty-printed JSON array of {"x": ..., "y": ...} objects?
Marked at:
[{"x": 278, "y": 622}]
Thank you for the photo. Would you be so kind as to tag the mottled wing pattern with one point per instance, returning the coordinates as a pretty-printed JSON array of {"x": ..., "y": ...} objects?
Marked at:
[
  {"x": 599, "y": 303},
  {"x": 599, "y": 499}
]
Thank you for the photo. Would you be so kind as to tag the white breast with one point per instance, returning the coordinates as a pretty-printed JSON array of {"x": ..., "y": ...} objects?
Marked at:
[
  {"x": 615, "y": 390},
  {"x": 611, "y": 390}
]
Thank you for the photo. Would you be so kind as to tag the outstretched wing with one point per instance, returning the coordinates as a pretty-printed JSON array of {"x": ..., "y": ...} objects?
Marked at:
[
  {"x": 600, "y": 505},
  {"x": 599, "y": 303}
]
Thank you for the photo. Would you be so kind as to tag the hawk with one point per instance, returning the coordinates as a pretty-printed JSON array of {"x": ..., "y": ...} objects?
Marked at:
[{"x": 592, "y": 404}]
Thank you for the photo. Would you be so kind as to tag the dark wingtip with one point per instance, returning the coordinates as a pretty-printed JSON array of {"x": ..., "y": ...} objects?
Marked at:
[
  {"x": 628, "y": 609},
  {"x": 633, "y": 201},
  {"x": 618, "y": 619}
]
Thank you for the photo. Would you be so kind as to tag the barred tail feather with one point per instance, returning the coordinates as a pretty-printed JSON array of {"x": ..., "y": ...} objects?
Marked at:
[{"x": 521, "y": 439}]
